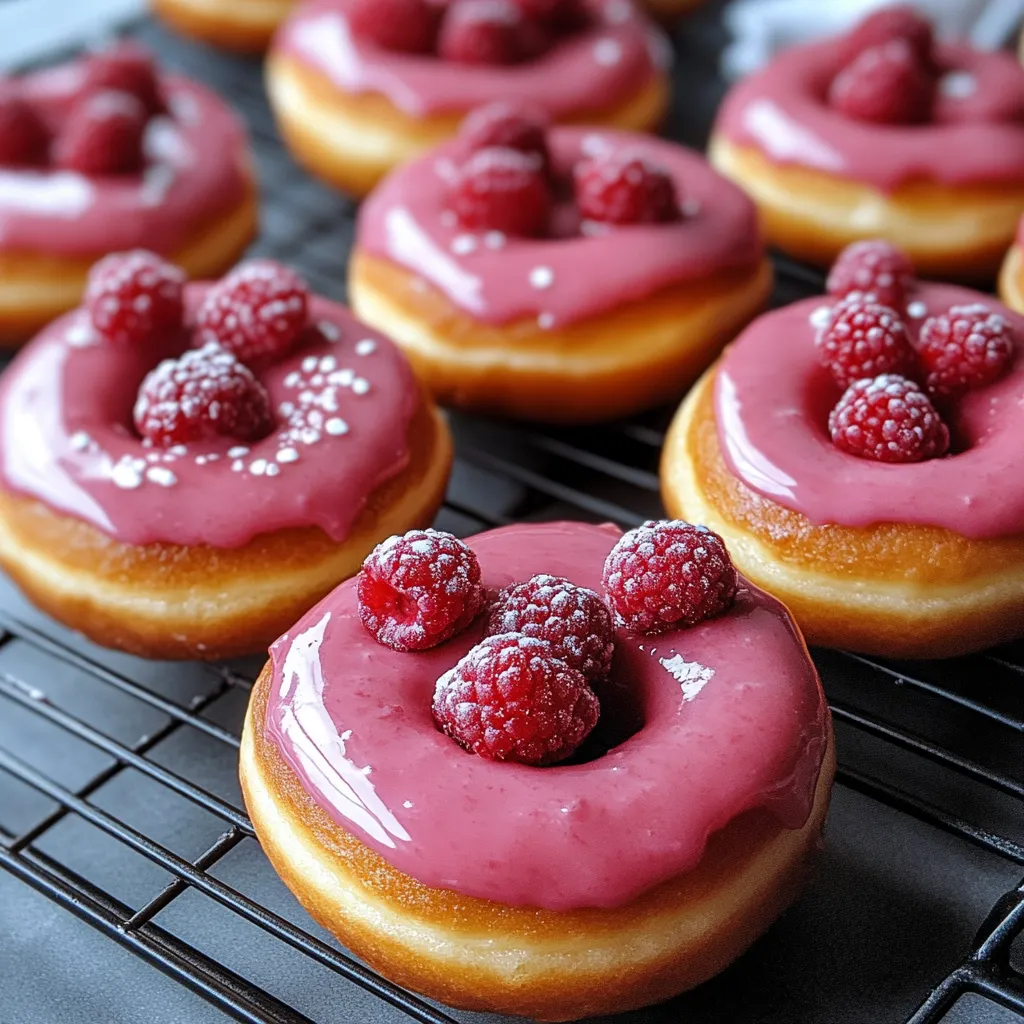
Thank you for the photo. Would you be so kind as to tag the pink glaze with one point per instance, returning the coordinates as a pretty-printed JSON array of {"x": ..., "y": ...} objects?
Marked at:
[
  {"x": 976, "y": 137},
  {"x": 733, "y": 719},
  {"x": 573, "y": 274},
  {"x": 343, "y": 408},
  {"x": 593, "y": 70},
  {"x": 196, "y": 170},
  {"x": 772, "y": 400}
]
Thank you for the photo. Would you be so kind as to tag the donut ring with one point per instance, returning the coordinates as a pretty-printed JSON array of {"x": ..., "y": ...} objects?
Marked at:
[
  {"x": 350, "y": 113},
  {"x": 614, "y": 942},
  {"x": 534, "y": 328},
  {"x": 929, "y": 570},
  {"x": 233, "y": 541},
  {"x": 945, "y": 192},
  {"x": 194, "y": 202},
  {"x": 246, "y": 26}
]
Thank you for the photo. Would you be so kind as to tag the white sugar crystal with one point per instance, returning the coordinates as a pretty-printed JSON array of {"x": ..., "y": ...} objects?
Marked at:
[
  {"x": 360, "y": 386},
  {"x": 309, "y": 436},
  {"x": 309, "y": 364},
  {"x": 238, "y": 465},
  {"x": 463, "y": 245},
  {"x": 161, "y": 475},
  {"x": 407, "y": 804},
  {"x": 343, "y": 378},
  {"x": 607, "y": 52},
  {"x": 366, "y": 347},
  {"x": 273, "y": 469},
  {"x": 542, "y": 277},
  {"x": 820, "y": 317},
  {"x": 317, "y": 380},
  {"x": 328, "y": 363},
  {"x": 328, "y": 330},
  {"x": 126, "y": 476},
  {"x": 178, "y": 449},
  {"x": 336, "y": 426},
  {"x": 80, "y": 334},
  {"x": 917, "y": 310},
  {"x": 258, "y": 467},
  {"x": 958, "y": 85},
  {"x": 79, "y": 441},
  {"x": 494, "y": 240},
  {"x": 237, "y": 452},
  {"x": 287, "y": 455},
  {"x": 285, "y": 409},
  {"x": 293, "y": 379}
]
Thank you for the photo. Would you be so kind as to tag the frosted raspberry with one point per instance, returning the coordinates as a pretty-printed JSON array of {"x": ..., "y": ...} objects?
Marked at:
[
  {"x": 511, "y": 699},
  {"x": 418, "y": 590},
  {"x": 507, "y": 126},
  {"x": 667, "y": 574},
  {"x": 874, "y": 268},
  {"x": 483, "y": 32},
  {"x": 501, "y": 190},
  {"x": 129, "y": 69},
  {"x": 899, "y": 21},
  {"x": 889, "y": 419},
  {"x": 884, "y": 85},
  {"x": 130, "y": 296},
  {"x": 624, "y": 188},
  {"x": 573, "y": 620},
  {"x": 205, "y": 393},
  {"x": 965, "y": 347},
  {"x": 864, "y": 339},
  {"x": 103, "y": 135},
  {"x": 257, "y": 312},
  {"x": 402, "y": 26},
  {"x": 24, "y": 138}
]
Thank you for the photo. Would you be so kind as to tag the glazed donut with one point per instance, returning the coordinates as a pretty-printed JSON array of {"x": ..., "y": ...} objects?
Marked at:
[
  {"x": 916, "y": 560},
  {"x": 350, "y": 110},
  {"x": 1011, "y": 276},
  {"x": 946, "y": 190},
  {"x": 537, "y": 327},
  {"x": 243, "y": 25},
  {"x": 190, "y": 193},
  {"x": 209, "y": 547},
  {"x": 587, "y": 888}
]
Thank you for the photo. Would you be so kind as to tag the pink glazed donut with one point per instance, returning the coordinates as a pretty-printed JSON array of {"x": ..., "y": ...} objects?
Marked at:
[{"x": 599, "y": 886}]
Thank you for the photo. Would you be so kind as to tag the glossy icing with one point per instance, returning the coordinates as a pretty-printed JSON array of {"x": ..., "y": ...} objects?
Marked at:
[
  {"x": 586, "y": 72},
  {"x": 343, "y": 407},
  {"x": 734, "y": 719},
  {"x": 976, "y": 135},
  {"x": 196, "y": 170},
  {"x": 573, "y": 274},
  {"x": 772, "y": 400}
]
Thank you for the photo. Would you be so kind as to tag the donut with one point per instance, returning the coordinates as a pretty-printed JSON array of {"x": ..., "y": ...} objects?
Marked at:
[
  {"x": 246, "y": 26},
  {"x": 537, "y": 327},
  {"x": 582, "y": 888},
  {"x": 200, "y": 527},
  {"x": 354, "y": 99},
  {"x": 106, "y": 154},
  {"x": 880, "y": 134},
  {"x": 914, "y": 559},
  {"x": 1011, "y": 275}
]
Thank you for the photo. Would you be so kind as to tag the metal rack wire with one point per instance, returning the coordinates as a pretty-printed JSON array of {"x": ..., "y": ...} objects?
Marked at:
[{"x": 937, "y": 743}]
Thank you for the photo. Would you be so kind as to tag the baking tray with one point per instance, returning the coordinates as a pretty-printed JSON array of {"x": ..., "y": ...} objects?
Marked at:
[{"x": 132, "y": 889}]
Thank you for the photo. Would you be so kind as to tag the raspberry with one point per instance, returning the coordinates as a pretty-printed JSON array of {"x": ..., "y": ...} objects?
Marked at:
[
  {"x": 500, "y": 189},
  {"x": 874, "y": 268},
  {"x": 483, "y": 32},
  {"x": 573, "y": 620},
  {"x": 864, "y": 339},
  {"x": 900, "y": 21},
  {"x": 402, "y": 26},
  {"x": 884, "y": 85},
  {"x": 419, "y": 590},
  {"x": 668, "y": 574},
  {"x": 889, "y": 419},
  {"x": 103, "y": 135},
  {"x": 131, "y": 296},
  {"x": 507, "y": 126},
  {"x": 24, "y": 139},
  {"x": 257, "y": 312},
  {"x": 203, "y": 394},
  {"x": 511, "y": 699},
  {"x": 129, "y": 69},
  {"x": 623, "y": 188},
  {"x": 963, "y": 348}
]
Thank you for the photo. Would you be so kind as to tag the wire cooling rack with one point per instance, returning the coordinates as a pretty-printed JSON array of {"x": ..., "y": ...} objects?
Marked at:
[{"x": 119, "y": 805}]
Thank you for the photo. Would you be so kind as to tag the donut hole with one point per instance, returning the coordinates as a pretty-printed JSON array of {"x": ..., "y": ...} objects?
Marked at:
[
  {"x": 622, "y": 715},
  {"x": 821, "y": 394}
]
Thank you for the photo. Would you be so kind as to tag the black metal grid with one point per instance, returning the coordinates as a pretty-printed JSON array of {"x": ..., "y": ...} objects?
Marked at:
[{"x": 938, "y": 743}]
